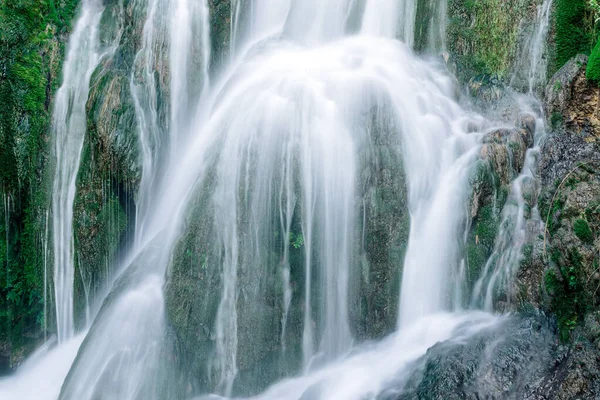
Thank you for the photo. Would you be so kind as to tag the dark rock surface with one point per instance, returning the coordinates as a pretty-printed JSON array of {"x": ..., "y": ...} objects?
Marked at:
[{"x": 521, "y": 358}]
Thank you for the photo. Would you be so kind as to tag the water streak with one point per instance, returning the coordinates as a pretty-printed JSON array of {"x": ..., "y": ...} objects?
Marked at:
[{"x": 69, "y": 127}]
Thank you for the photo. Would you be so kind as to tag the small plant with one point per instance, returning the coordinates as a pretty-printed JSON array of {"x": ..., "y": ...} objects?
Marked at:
[
  {"x": 583, "y": 231},
  {"x": 557, "y": 86},
  {"x": 296, "y": 240},
  {"x": 556, "y": 119}
]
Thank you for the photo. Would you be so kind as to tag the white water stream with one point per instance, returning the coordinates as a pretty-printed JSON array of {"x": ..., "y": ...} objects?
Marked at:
[{"x": 69, "y": 127}]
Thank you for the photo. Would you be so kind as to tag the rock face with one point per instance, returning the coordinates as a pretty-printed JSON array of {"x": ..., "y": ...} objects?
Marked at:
[
  {"x": 384, "y": 230},
  {"x": 570, "y": 201},
  {"x": 571, "y": 100},
  {"x": 520, "y": 358},
  {"x": 501, "y": 159},
  {"x": 109, "y": 173},
  {"x": 220, "y": 22},
  {"x": 533, "y": 356},
  {"x": 483, "y": 37}
]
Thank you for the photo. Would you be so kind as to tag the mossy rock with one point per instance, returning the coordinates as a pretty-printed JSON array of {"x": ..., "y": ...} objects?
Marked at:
[
  {"x": 573, "y": 222},
  {"x": 482, "y": 35}
]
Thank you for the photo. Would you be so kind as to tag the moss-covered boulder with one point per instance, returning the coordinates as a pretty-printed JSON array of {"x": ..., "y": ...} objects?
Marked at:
[
  {"x": 570, "y": 207},
  {"x": 569, "y": 203},
  {"x": 383, "y": 231}
]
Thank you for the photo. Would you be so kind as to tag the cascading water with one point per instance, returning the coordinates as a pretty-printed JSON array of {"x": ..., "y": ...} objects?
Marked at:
[
  {"x": 69, "y": 127},
  {"x": 274, "y": 151},
  {"x": 538, "y": 64},
  {"x": 519, "y": 217},
  {"x": 532, "y": 62},
  {"x": 189, "y": 55},
  {"x": 174, "y": 34},
  {"x": 145, "y": 91}
]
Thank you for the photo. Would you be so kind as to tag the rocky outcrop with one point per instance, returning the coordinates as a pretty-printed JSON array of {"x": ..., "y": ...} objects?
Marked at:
[
  {"x": 571, "y": 100},
  {"x": 533, "y": 356},
  {"x": 109, "y": 173},
  {"x": 519, "y": 358},
  {"x": 570, "y": 201},
  {"x": 220, "y": 22},
  {"x": 383, "y": 232},
  {"x": 501, "y": 159}
]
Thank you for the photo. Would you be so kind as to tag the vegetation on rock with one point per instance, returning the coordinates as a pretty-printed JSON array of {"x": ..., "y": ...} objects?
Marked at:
[
  {"x": 574, "y": 30},
  {"x": 32, "y": 38},
  {"x": 593, "y": 66},
  {"x": 483, "y": 35}
]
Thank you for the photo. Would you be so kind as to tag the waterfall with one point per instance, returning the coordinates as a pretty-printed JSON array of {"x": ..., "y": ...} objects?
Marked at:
[
  {"x": 272, "y": 157},
  {"x": 519, "y": 217},
  {"x": 399, "y": 17},
  {"x": 530, "y": 70},
  {"x": 189, "y": 60},
  {"x": 45, "y": 249},
  {"x": 128, "y": 334},
  {"x": 145, "y": 91},
  {"x": 176, "y": 43},
  {"x": 538, "y": 65},
  {"x": 69, "y": 127}
]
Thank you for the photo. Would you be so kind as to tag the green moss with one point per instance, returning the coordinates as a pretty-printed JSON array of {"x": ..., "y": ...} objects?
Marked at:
[
  {"x": 569, "y": 302},
  {"x": 574, "y": 30},
  {"x": 526, "y": 254},
  {"x": 592, "y": 72},
  {"x": 481, "y": 241},
  {"x": 583, "y": 231},
  {"x": 31, "y": 49},
  {"x": 555, "y": 211},
  {"x": 486, "y": 226},
  {"x": 483, "y": 35}
]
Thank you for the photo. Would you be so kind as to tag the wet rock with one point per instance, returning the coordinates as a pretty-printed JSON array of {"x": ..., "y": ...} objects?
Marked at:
[
  {"x": 564, "y": 149},
  {"x": 501, "y": 159},
  {"x": 220, "y": 16},
  {"x": 383, "y": 232},
  {"x": 109, "y": 173},
  {"x": 195, "y": 279},
  {"x": 527, "y": 124},
  {"x": 520, "y": 358}
]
